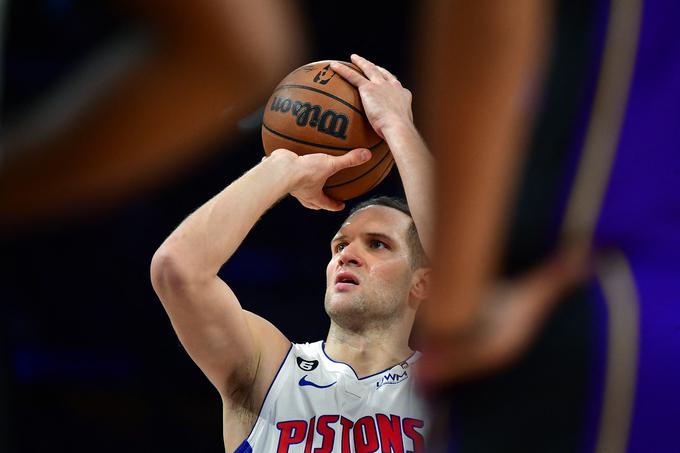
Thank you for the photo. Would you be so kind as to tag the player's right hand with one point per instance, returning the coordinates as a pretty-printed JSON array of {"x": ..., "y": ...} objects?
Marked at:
[
  {"x": 309, "y": 173},
  {"x": 505, "y": 323}
]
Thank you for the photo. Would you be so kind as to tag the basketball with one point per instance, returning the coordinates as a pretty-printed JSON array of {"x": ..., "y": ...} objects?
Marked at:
[{"x": 314, "y": 110}]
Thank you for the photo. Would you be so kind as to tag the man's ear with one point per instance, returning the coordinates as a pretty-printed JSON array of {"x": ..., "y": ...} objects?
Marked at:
[{"x": 420, "y": 285}]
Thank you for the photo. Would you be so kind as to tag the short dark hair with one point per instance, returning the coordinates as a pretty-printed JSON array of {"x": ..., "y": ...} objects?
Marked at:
[{"x": 418, "y": 256}]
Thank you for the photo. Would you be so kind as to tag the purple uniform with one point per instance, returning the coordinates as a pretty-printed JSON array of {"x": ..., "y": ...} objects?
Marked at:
[{"x": 640, "y": 219}]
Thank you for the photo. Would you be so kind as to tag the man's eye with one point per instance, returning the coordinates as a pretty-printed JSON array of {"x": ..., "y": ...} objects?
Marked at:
[
  {"x": 376, "y": 244},
  {"x": 340, "y": 247}
]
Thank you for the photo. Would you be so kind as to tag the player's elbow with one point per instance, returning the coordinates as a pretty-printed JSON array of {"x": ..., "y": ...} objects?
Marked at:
[{"x": 169, "y": 272}]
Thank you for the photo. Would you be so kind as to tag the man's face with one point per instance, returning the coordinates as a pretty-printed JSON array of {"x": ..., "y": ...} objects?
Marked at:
[{"x": 368, "y": 278}]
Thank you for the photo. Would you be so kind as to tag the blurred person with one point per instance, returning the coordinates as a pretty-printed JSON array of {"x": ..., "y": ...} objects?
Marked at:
[
  {"x": 478, "y": 114},
  {"x": 208, "y": 65},
  {"x": 354, "y": 390},
  {"x": 621, "y": 203},
  {"x": 478, "y": 110}
]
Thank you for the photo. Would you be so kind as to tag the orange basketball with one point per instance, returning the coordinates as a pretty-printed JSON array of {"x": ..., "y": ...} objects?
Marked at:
[{"x": 314, "y": 110}]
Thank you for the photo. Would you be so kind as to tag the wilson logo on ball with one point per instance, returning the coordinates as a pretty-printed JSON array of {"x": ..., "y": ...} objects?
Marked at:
[
  {"x": 327, "y": 122},
  {"x": 322, "y": 77},
  {"x": 314, "y": 110}
]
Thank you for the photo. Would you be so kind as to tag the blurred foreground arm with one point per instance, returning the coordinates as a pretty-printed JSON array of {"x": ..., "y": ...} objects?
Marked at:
[
  {"x": 506, "y": 321},
  {"x": 486, "y": 66},
  {"x": 211, "y": 64}
]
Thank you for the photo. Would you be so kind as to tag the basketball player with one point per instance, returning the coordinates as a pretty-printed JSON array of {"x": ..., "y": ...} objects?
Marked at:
[
  {"x": 622, "y": 131},
  {"x": 478, "y": 115},
  {"x": 353, "y": 392}
]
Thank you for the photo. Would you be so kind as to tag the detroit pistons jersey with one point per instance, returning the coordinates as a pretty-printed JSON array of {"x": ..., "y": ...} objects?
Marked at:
[{"x": 316, "y": 404}]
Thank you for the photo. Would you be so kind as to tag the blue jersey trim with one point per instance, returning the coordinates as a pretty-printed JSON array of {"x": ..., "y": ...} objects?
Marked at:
[
  {"x": 245, "y": 446},
  {"x": 323, "y": 348}
]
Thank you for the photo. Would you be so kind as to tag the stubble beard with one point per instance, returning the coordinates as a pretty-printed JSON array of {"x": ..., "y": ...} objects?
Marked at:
[{"x": 361, "y": 312}]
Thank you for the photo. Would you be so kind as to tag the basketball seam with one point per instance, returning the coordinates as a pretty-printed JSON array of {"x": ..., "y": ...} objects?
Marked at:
[
  {"x": 304, "y": 87},
  {"x": 361, "y": 175},
  {"x": 380, "y": 178},
  {"x": 318, "y": 145}
]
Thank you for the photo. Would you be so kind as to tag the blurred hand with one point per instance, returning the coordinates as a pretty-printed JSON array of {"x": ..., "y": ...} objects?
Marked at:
[
  {"x": 506, "y": 322},
  {"x": 309, "y": 174},
  {"x": 386, "y": 102}
]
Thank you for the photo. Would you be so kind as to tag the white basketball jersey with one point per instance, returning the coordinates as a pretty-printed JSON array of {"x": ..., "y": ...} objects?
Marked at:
[{"x": 318, "y": 405}]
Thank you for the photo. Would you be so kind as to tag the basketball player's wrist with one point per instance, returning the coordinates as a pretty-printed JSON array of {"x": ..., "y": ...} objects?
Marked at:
[
  {"x": 399, "y": 129},
  {"x": 282, "y": 171}
]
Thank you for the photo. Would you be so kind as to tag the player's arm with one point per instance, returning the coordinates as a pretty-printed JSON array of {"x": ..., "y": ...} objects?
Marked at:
[
  {"x": 230, "y": 345},
  {"x": 192, "y": 85},
  {"x": 477, "y": 115},
  {"x": 388, "y": 107},
  {"x": 489, "y": 56}
]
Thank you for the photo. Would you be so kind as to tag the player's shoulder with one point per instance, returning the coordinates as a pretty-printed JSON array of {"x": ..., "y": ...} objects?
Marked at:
[
  {"x": 307, "y": 351},
  {"x": 314, "y": 348}
]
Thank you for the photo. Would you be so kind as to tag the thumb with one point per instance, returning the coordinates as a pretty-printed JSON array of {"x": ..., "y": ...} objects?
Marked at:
[{"x": 351, "y": 159}]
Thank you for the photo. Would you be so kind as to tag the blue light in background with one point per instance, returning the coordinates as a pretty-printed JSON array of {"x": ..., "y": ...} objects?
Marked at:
[{"x": 42, "y": 364}]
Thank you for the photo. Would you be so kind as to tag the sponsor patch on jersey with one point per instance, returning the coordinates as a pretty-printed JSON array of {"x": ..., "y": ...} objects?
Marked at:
[
  {"x": 391, "y": 378},
  {"x": 307, "y": 365}
]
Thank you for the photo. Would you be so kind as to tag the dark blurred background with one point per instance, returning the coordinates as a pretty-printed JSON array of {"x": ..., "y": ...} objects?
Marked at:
[{"x": 89, "y": 360}]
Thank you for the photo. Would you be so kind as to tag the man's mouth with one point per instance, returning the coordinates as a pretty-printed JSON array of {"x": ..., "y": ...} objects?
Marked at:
[{"x": 345, "y": 281}]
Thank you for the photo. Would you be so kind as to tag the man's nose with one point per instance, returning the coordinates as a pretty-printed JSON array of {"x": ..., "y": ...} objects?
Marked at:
[{"x": 349, "y": 256}]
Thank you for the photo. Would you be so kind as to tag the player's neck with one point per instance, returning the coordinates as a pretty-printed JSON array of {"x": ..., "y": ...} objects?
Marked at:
[{"x": 369, "y": 352}]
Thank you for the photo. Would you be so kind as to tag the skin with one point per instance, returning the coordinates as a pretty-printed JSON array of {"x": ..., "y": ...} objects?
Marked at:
[
  {"x": 240, "y": 352},
  {"x": 489, "y": 59},
  {"x": 369, "y": 321},
  {"x": 160, "y": 116}
]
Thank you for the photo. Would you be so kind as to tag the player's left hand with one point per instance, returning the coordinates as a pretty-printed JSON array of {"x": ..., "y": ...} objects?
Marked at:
[{"x": 386, "y": 102}]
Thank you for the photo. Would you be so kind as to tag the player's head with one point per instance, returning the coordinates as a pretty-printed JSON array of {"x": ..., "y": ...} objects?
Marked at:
[{"x": 378, "y": 271}]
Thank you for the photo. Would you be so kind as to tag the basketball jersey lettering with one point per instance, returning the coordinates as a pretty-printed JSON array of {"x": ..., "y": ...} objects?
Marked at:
[
  {"x": 367, "y": 435},
  {"x": 346, "y": 428},
  {"x": 310, "y": 436},
  {"x": 390, "y": 433},
  {"x": 327, "y": 122},
  {"x": 410, "y": 425},
  {"x": 292, "y": 432},
  {"x": 327, "y": 433},
  {"x": 310, "y": 408}
]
